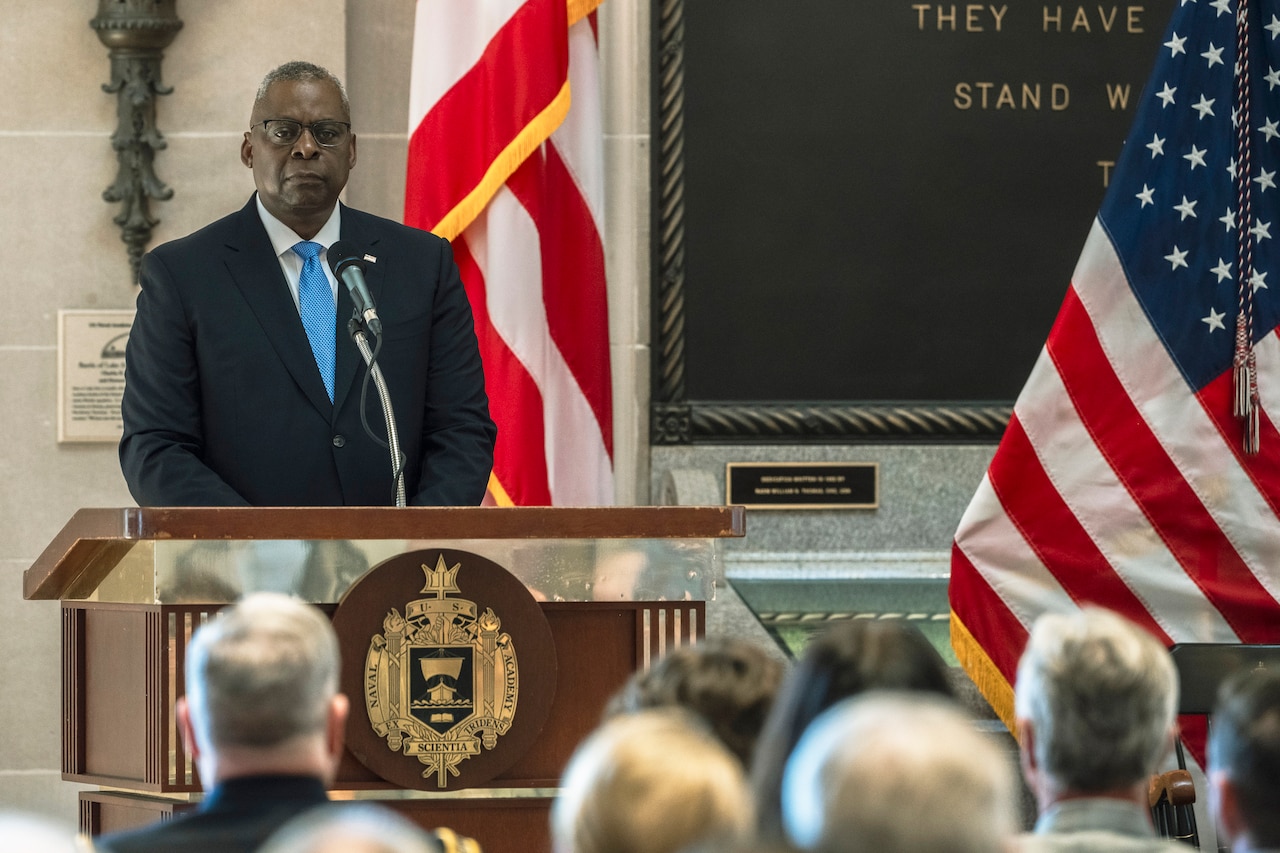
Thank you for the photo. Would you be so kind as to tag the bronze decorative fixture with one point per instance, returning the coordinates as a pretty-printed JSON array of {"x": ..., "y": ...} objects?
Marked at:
[{"x": 136, "y": 32}]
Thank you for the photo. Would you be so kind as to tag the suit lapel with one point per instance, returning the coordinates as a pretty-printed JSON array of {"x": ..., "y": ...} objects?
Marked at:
[
  {"x": 348, "y": 366},
  {"x": 256, "y": 273}
]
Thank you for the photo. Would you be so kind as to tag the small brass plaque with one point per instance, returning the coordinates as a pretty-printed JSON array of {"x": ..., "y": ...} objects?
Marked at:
[{"x": 803, "y": 485}]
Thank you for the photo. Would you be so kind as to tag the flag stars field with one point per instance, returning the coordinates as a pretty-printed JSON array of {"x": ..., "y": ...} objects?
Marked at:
[
  {"x": 1177, "y": 259},
  {"x": 1213, "y": 55},
  {"x": 1196, "y": 156},
  {"x": 1146, "y": 196},
  {"x": 1214, "y": 320},
  {"x": 1166, "y": 94},
  {"x": 1156, "y": 145}
]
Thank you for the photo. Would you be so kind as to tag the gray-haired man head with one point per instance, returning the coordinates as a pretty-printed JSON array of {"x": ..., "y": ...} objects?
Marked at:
[
  {"x": 1095, "y": 703},
  {"x": 263, "y": 721},
  {"x": 1244, "y": 761},
  {"x": 896, "y": 772}
]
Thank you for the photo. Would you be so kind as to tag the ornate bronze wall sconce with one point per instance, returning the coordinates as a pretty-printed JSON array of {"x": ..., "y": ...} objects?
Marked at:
[{"x": 136, "y": 32}]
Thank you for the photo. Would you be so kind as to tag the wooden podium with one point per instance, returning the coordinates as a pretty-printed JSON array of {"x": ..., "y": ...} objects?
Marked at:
[{"x": 618, "y": 587}]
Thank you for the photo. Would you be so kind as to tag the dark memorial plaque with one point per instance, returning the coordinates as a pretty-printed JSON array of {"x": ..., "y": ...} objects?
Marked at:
[
  {"x": 803, "y": 485},
  {"x": 882, "y": 201}
]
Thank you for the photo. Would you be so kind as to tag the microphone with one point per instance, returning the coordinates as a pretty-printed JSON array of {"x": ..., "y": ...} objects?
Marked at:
[{"x": 347, "y": 264}]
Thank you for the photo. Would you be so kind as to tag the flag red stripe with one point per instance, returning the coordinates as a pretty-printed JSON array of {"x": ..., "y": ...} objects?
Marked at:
[
  {"x": 522, "y": 70},
  {"x": 1262, "y": 468},
  {"x": 1052, "y": 531},
  {"x": 519, "y": 457},
  {"x": 986, "y": 616},
  {"x": 1149, "y": 474},
  {"x": 573, "y": 284}
]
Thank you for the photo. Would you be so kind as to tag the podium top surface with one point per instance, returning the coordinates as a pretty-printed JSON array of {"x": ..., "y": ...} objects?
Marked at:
[{"x": 96, "y": 540}]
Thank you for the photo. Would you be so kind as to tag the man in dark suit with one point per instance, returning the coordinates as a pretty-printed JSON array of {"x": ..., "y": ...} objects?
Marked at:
[
  {"x": 231, "y": 400},
  {"x": 262, "y": 719}
]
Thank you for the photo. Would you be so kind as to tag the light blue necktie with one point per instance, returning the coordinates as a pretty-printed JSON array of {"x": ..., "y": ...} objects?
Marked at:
[{"x": 319, "y": 314}]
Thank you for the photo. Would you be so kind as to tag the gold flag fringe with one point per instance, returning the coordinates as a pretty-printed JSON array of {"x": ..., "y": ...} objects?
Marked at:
[
  {"x": 990, "y": 682},
  {"x": 504, "y": 166}
]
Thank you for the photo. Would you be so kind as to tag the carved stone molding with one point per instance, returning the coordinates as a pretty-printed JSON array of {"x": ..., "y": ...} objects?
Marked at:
[{"x": 136, "y": 32}]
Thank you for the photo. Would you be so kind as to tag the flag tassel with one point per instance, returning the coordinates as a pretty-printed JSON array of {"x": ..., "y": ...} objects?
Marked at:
[
  {"x": 1241, "y": 364},
  {"x": 1245, "y": 376}
]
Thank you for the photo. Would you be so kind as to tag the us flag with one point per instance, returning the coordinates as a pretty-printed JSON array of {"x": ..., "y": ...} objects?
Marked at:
[
  {"x": 1141, "y": 467},
  {"x": 506, "y": 161}
]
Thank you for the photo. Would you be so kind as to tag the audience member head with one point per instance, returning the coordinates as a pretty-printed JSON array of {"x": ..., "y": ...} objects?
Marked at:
[
  {"x": 1244, "y": 760},
  {"x": 655, "y": 781},
  {"x": 897, "y": 772},
  {"x": 29, "y": 833},
  {"x": 847, "y": 659},
  {"x": 730, "y": 683},
  {"x": 1095, "y": 702},
  {"x": 352, "y": 828},
  {"x": 262, "y": 691}
]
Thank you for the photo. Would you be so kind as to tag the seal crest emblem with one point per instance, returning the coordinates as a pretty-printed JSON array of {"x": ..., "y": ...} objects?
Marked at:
[{"x": 441, "y": 681}]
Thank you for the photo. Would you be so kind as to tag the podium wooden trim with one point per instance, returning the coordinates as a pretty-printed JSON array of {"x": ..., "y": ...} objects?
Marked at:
[{"x": 123, "y": 662}]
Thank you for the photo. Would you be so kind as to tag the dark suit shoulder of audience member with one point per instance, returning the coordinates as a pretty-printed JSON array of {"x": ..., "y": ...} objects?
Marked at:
[
  {"x": 847, "y": 659},
  {"x": 729, "y": 682}
]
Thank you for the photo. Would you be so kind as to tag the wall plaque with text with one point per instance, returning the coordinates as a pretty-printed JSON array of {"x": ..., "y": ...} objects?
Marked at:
[
  {"x": 91, "y": 374},
  {"x": 803, "y": 485}
]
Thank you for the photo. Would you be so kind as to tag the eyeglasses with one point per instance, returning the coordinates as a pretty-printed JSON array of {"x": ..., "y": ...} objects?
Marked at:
[{"x": 286, "y": 131}]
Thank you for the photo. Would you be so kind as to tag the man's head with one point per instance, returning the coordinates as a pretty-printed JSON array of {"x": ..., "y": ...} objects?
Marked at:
[
  {"x": 896, "y": 773},
  {"x": 655, "y": 781},
  {"x": 262, "y": 680},
  {"x": 730, "y": 683},
  {"x": 1244, "y": 760},
  {"x": 1095, "y": 702},
  {"x": 299, "y": 171}
]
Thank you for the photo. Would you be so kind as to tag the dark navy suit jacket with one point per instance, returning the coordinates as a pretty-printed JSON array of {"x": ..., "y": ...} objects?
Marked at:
[
  {"x": 236, "y": 817},
  {"x": 224, "y": 406}
]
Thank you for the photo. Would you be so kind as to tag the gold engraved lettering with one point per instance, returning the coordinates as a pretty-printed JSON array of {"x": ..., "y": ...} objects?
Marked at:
[
  {"x": 1084, "y": 18},
  {"x": 977, "y": 17},
  {"x": 1107, "y": 166},
  {"x": 1004, "y": 96},
  {"x": 1118, "y": 96}
]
